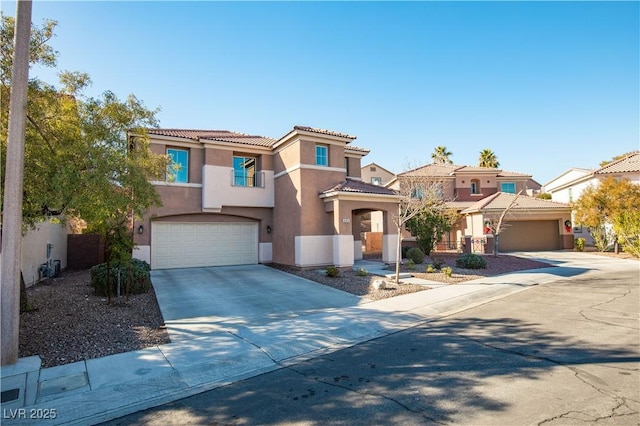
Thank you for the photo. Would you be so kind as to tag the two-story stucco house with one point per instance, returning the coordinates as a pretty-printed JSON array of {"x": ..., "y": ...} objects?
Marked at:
[
  {"x": 231, "y": 198},
  {"x": 568, "y": 186},
  {"x": 481, "y": 194}
]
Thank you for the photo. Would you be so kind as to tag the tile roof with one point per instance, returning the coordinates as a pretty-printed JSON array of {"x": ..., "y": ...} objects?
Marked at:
[
  {"x": 501, "y": 200},
  {"x": 358, "y": 187},
  {"x": 216, "y": 135},
  {"x": 323, "y": 132},
  {"x": 432, "y": 169},
  {"x": 444, "y": 170},
  {"x": 628, "y": 164},
  {"x": 357, "y": 148}
]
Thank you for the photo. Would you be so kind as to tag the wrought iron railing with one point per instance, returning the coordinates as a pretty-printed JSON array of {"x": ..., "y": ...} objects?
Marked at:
[{"x": 239, "y": 178}]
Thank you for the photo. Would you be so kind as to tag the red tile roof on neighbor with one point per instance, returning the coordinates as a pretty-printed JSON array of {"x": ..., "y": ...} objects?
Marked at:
[
  {"x": 358, "y": 187},
  {"x": 215, "y": 135},
  {"x": 501, "y": 200},
  {"x": 444, "y": 170},
  {"x": 628, "y": 164}
]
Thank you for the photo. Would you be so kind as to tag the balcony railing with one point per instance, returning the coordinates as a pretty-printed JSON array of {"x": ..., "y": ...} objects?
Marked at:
[{"x": 239, "y": 178}]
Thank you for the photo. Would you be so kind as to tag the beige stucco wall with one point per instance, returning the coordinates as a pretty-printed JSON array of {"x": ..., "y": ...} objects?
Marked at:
[
  {"x": 218, "y": 191},
  {"x": 367, "y": 174},
  {"x": 34, "y": 249}
]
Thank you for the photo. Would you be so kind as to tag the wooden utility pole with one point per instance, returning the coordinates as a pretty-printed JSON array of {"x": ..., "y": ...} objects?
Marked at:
[{"x": 13, "y": 184}]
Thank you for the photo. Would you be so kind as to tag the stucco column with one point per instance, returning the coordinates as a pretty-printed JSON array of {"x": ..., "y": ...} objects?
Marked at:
[
  {"x": 389, "y": 239},
  {"x": 343, "y": 252}
]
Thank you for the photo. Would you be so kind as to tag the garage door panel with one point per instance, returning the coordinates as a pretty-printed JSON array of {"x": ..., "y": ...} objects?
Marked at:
[
  {"x": 180, "y": 245},
  {"x": 530, "y": 235}
]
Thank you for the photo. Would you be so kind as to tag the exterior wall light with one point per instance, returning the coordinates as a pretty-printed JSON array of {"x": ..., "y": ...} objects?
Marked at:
[
  {"x": 140, "y": 229},
  {"x": 268, "y": 229}
]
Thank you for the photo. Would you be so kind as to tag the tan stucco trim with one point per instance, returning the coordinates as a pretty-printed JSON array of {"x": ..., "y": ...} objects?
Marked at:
[
  {"x": 238, "y": 147},
  {"x": 184, "y": 185},
  {"x": 309, "y": 166},
  {"x": 172, "y": 141}
]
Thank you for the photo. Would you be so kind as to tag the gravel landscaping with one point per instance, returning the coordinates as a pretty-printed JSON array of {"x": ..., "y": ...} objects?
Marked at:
[{"x": 68, "y": 322}]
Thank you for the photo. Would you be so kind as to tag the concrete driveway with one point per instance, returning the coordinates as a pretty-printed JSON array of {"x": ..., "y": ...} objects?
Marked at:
[{"x": 197, "y": 301}]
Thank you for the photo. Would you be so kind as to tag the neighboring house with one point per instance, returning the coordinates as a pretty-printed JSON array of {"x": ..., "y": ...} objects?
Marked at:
[
  {"x": 568, "y": 187},
  {"x": 232, "y": 198},
  {"x": 44, "y": 251},
  {"x": 530, "y": 224},
  {"x": 373, "y": 223},
  {"x": 478, "y": 193},
  {"x": 376, "y": 175}
]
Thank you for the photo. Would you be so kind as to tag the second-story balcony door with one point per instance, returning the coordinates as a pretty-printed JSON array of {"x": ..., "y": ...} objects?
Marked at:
[{"x": 244, "y": 172}]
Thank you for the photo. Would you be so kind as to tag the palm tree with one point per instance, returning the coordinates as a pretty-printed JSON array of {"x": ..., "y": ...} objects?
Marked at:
[
  {"x": 441, "y": 155},
  {"x": 488, "y": 159}
]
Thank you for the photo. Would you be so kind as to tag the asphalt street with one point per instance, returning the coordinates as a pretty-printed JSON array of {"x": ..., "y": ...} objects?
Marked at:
[{"x": 562, "y": 353}]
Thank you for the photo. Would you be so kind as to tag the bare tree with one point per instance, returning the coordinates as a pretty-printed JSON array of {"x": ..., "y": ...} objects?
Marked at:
[
  {"x": 417, "y": 192},
  {"x": 498, "y": 226}
]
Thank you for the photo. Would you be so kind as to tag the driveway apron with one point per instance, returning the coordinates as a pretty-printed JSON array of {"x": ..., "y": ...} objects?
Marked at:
[{"x": 196, "y": 302}]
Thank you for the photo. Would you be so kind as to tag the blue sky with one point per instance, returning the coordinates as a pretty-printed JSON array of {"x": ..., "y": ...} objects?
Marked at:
[{"x": 545, "y": 85}]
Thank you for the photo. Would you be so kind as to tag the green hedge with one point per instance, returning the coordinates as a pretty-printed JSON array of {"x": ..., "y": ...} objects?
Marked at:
[
  {"x": 471, "y": 261},
  {"x": 416, "y": 255},
  {"x": 140, "y": 278}
]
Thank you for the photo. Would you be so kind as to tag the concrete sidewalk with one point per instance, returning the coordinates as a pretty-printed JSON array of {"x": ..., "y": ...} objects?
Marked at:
[{"x": 96, "y": 390}]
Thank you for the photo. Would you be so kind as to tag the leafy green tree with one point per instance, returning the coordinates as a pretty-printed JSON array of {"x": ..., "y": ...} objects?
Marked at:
[
  {"x": 430, "y": 225},
  {"x": 441, "y": 155},
  {"x": 609, "y": 208},
  {"x": 79, "y": 159},
  {"x": 627, "y": 228},
  {"x": 488, "y": 159}
]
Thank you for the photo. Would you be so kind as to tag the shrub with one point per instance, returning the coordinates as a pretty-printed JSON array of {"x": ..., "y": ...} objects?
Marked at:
[
  {"x": 579, "y": 243},
  {"x": 410, "y": 265},
  {"x": 430, "y": 269},
  {"x": 416, "y": 255},
  {"x": 362, "y": 272},
  {"x": 405, "y": 249},
  {"x": 137, "y": 269},
  {"x": 438, "y": 263},
  {"x": 471, "y": 261},
  {"x": 333, "y": 272},
  {"x": 447, "y": 271}
]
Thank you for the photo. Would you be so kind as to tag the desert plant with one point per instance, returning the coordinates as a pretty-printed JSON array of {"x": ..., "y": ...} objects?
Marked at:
[
  {"x": 438, "y": 263},
  {"x": 416, "y": 255},
  {"x": 410, "y": 265},
  {"x": 136, "y": 270},
  {"x": 430, "y": 269},
  {"x": 471, "y": 261},
  {"x": 332, "y": 272},
  {"x": 579, "y": 243},
  {"x": 362, "y": 272},
  {"x": 447, "y": 271}
]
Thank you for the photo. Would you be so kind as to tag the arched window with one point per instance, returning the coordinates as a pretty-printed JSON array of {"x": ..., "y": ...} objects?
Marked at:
[{"x": 475, "y": 186}]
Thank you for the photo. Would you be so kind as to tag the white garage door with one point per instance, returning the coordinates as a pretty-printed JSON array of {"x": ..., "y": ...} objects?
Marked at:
[{"x": 190, "y": 245}]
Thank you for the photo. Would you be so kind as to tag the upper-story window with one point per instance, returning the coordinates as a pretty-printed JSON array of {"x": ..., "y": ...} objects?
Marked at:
[
  {"x": 322, "y": 155},
  {"x": 376, "y": 180},
  {"x": 244, "y": 171},
  {"x": 178, "y": 167},
  {"x": 475, "y": 186},
  {"x": 417, "y": 193},
  {"x": 509, "y": 187}
]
